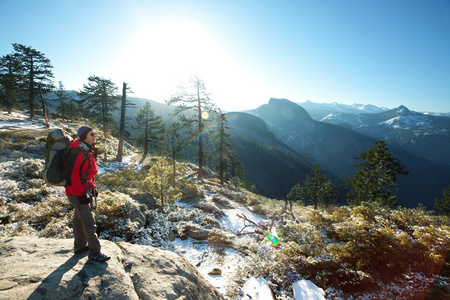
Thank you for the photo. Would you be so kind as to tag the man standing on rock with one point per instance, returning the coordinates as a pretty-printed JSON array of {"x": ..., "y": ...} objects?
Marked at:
[{"x": 79, "y": 173}]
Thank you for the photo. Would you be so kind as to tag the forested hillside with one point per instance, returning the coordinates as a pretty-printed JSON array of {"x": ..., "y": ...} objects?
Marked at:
[{"x": 360, "y": 251}]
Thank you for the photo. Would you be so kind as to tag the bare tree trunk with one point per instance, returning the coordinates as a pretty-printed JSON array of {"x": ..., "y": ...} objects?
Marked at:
[
  {"x": 200, "y": 139},
  {"x": 31, "y": 90},
  {"x": 44, "y": 108},
  {"x": 122, "y": 123}
]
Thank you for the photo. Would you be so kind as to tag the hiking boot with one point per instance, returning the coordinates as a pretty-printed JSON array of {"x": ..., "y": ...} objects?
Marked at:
[{"x": 99, "y": 257}]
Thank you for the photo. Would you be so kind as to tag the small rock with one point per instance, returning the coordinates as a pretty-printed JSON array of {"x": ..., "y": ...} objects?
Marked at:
[
  {"x": 215, "y": 271},
  {"x": 201, "y": 234}
]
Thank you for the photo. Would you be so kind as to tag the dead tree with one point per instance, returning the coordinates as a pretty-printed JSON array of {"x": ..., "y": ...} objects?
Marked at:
[
  {"x": 261, "y": 228},
  {"x": 44, "y": 107}
]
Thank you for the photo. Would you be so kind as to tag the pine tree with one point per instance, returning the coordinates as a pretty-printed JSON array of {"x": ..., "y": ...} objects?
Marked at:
[
  {"x": 173, "y": 145},
  {"x": 123, "y": 120},
  {"x": 159, "y": 182},
  {"x": 222, "y": 145},
  {"x": 194, "y": 98},
  {"x": 296, "y": 194},
  {"x": 35, "y": 71},
  {"x": 329, "y": 193},
  {"x": 72, "y": 108},
  {"x": 10, "y": 70},
  {"x": 99, "y": 98},
  {"x": 61, "y": 99},
  {"x": 375, "y": 177},
  {"x": 315, "y": 189},
  {"x": 150, "y": 128},
  {"x": 443, "y": 205},
  {"x": 234, "y": 167}
]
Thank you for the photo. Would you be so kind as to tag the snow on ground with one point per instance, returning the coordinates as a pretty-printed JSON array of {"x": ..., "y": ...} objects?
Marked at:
[
  {"x": 206, "y": 259},
  {"x": 19, "y": 120},
  {"x": 200, "y": 254},
  {"x": 232, "y": 221},
  {"x": 112, "y": 166},
  {"x": 306, "y": 290},
  {"x": 257, "y": 288}
]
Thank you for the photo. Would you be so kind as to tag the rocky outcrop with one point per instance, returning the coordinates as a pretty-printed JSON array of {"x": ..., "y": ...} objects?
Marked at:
[{"x": 42, "y": 268}]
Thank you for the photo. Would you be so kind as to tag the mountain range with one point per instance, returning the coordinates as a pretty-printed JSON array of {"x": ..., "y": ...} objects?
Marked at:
[
  {"x": 335, "y": 146},
  {"x": 425, "y": 135},
  {"x": 280, "y": 142}
]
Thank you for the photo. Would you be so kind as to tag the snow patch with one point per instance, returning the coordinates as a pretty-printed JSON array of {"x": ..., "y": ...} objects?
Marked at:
[
  {"x": 306, "y": 290},
  {"x": 257, "y": 288}
]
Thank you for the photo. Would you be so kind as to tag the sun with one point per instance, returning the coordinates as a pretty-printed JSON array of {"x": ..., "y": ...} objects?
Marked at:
[{"x": 162, "y": 55}]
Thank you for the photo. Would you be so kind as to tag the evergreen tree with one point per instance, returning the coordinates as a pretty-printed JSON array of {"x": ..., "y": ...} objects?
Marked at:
[
  {"x": 234, "y": 167},
  {"x": 36, "y": 71},
  {"x": 123, "y": 119},
  {"x": 72, "y": 108},
  {"x": 443, "y": 205},
  {"x": 159, "y": 182},
  {"x": 317, "y": 189},
  {"x": 173, "y": 145},
  {"x": 296, "y": 194},
  {"x": 10, "y": 70},
  {"x": 329, "y": 193},
  {"x": 61, "y": 99},
  {"x": 375, "y": 177},
  {"x": 194, "y": 98},
  {"x": 150, "y": 128},
  {"x": 99, "y": 98},
  {"x": 222, "y": 145}
]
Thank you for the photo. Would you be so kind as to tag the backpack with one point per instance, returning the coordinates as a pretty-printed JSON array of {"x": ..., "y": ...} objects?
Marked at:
[{"x": 56, "y": 150}]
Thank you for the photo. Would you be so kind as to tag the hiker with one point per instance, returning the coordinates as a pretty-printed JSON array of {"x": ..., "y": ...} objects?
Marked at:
[{"x": 80, "y": 169}]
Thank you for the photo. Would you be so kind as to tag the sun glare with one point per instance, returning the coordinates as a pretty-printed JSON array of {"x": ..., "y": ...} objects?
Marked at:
[
  {"x": 164, "y": 54},
  {"x": 205, "y": 115}
]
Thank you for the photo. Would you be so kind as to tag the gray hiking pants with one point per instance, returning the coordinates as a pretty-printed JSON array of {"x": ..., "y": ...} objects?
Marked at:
[{"x": 84, "y": 226}]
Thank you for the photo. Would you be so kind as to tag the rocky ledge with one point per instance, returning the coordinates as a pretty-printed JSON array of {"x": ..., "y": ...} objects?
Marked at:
[{"x": 45, "y": 268}]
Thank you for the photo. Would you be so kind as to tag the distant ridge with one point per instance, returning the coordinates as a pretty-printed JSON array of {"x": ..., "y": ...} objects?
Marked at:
[{"x": 319, "y": 111}]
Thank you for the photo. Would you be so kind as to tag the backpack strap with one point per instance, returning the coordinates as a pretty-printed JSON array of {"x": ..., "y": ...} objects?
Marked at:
[{"x": 85, "y": 158}]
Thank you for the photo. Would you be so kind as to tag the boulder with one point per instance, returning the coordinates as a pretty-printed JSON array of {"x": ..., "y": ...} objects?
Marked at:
[
  {"x": 45, "y": 268},
  {"x": 201, "y": 234},
  {"x": 161, "y": 274}
]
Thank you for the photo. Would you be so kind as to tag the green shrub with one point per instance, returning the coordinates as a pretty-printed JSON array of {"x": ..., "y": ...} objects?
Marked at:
[
  {"x": 209, "y": 207},
  {"x": 308, "y": 237},
  {"x": 209, "y": 221},
  {"x": 190, "y": 192},
  {"x": 219, "y": 238},
  {"x": 112, "y": 205},
  {"x": 121, "y": 181},
  {"x": 357, "y": 251},
  {"x": 53, "y": 209},
  {"x": 32, "y": 195}
]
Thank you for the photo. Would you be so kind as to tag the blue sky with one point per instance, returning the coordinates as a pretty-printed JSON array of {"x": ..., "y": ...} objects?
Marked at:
[{"x": 385, "y": 53}]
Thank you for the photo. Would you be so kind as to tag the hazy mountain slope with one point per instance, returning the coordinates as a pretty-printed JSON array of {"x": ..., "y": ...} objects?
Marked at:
[
  {"x": 271, "y": 165},
  {"x": 335, "y": 148},
  {"x": 426, "y": 136}
]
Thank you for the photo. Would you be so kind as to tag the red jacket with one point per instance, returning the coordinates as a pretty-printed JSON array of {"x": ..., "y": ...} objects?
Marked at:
[{"x": 80, "y": 168}]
